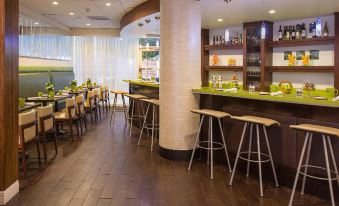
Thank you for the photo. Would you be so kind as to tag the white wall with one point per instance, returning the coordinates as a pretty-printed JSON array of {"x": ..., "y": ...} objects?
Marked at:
[
  {"x": 326, "y": 55},
  {"x": 26, "y": 61}
]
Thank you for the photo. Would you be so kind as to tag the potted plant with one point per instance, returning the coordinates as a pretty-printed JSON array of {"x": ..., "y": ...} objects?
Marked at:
[
  {"x": 49, "y": 89},
  {"x": 89, "y": 82},
  {"x": 74, "y": 85}
]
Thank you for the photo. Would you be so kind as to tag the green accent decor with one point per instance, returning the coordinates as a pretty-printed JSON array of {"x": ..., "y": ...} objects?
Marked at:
[
  {"x": 142, "y": 83},
  {"x": 39, "y": 69},
  {"x": 285, "y": 98}
]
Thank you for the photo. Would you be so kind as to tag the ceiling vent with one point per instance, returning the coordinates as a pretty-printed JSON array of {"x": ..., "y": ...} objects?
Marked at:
[{"x": 100, "y": 18}]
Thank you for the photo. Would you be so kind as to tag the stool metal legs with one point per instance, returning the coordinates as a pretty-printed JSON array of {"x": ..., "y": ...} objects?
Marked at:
[
  {"x": 226, "y": 152},
  {"x": 327, "y": 146},
  {"x": 124, "y": 110},
  {"x": 210, "y": 146},
  {"x": 145, "y": 125},
  {"x": 238, "y": 153},
  {"x": 259, "y": 154},
  {"x": 196, "y": 142}
]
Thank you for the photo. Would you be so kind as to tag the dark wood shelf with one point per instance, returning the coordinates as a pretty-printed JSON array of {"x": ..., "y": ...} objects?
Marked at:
[
  {"x": 224, "y": 68},
  {"x": 312, "y": 69},
  {"x": 224, "y": 47},
  {"x": 302, "y": 42}
]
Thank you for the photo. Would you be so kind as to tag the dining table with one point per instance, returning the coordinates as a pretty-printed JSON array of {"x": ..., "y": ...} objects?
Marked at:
[
  {"x": 45, "y": 100},
  {"x": 29, "y": 106}
]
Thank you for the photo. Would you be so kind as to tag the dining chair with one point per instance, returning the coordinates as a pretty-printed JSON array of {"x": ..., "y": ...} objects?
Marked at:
[
  {"x": 89, "y": 105},
  {"x": 69, "y": 117},
  {"x": 81, "y": 111},
  {"x": 28, "y": 133},
  {"x": 46, "y": 124}
]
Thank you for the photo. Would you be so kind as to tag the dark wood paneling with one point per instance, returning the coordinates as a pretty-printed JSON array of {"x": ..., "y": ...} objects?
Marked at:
[
  {"x": 286, "y": 144},
  {"x": 308, "y": 69},
  {"x": 147, "y": 8},
  {"x": 204, "y": 56},
  {"x": 336, "y": 51},
  {"x": 9, "y": 12},
  {"x": 302, "y": 42}
]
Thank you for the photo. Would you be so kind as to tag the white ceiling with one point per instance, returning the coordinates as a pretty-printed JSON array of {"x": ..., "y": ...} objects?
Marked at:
[
  {"x": 60, "y": 12},
  {"x": 234, "y": 13},
  {"x": 238, "y": 11}
]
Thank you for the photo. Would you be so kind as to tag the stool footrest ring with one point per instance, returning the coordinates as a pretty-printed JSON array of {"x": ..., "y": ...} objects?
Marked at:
[
  {"x": 317, "y": 177},
  {"x": 220, "y": 145},
  {"x": 256, "y": 154}
]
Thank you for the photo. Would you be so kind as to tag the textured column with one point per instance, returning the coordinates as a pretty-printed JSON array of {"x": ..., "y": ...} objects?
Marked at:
[{"x": 179, "y": 72}]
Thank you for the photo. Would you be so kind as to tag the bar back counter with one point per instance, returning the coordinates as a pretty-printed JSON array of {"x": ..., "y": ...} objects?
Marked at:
[{"x": 286, "y": 143}]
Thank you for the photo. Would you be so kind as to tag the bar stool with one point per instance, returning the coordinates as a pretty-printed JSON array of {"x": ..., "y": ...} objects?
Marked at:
[
  {"x": 133, "y": 98},
  {"x": 250, "y": 121},
  {"x": 326, "y": 132},
  {"x": 155, "y": 125},
  {"x": 210, "y": 143},
  {"x": 124, "y": 107}
]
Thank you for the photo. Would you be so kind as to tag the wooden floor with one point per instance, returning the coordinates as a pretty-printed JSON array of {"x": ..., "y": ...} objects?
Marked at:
[{"x": 107, "y": 168}]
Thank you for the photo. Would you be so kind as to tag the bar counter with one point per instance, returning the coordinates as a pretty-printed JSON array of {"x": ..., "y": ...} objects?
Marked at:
[
  {"x": 147, "y": 88},
  {"x": 286, "y": 144}
]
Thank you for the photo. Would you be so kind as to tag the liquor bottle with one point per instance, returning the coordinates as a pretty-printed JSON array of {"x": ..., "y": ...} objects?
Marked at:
[
  {"x": 214, "y": 40},
  {"x": 240, "y": 39},
  {"x": 326, "y": 30},
  {"x": 236, "y": 39},
  {"x": 303, "y": 31},
  {"x": 314, "y": 32},
  {"x": 285, "y": 32},
  {"x": 280, "y": 34},
  {"x": 220, "y": 39},
  {"x": 318, "y": 27},
  {"x": 293, "y": 33},
  {"x": 297, "y": 32},
  {"x": 288, "y": 34}
]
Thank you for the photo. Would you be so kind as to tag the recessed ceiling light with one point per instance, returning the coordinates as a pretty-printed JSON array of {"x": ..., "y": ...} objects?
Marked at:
[
  {"x": 55, "y": 3},
  {"x": 272, "y": 11},
  {"x": 108, "y": 4},
  {"x": 36, "y": 23},
  {"x": 71, "y": 13},
  {"x": 220, "y": 20},
  {"x": 88, "y": 24}
]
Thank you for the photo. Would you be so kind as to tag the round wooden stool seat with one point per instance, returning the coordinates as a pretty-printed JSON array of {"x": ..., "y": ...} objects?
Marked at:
[
  {"x": 256, "y": 120},
  {"x": 136, "y": 96},
  {"x": 118, "y": 92},
  {"x": 317, "y": 129},
  {"x": 152, "y": 101},
  {"x": 212, "y": 113}
]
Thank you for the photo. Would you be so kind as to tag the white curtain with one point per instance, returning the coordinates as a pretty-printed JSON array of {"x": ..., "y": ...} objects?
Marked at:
[{"x": 106, "y": 60}]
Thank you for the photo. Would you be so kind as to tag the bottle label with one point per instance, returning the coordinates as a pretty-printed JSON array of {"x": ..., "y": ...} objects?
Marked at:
[{"x": 280, "y": 35}]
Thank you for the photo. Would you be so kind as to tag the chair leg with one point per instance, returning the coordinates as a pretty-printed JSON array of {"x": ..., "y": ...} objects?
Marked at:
[
  {"x": 144, "y": 124},
  {"x": 44, "y": 146},
  {"x": 249, "y": 151},
  {"x": 333, "y": 158},
  {"x": 55, "y": 141},
  {"x": 328, "y": 170},
  {"x": 85, "y": 120},
  {"x": 38, "y": 151},
  {"x": 71, "y": 129},
  {"x": 211, "y": 130},
  {"x": 77, "y": 126},
  {"x": 298, "y": 170},
  {"x": 306, "y": 163},
  {"x": 80, "y": 121},
  {"x": 91, "y": 112},
  {"x": 225, "y": 147},
  {"x": 23, "y": 159},
  {"x": 271, "y": 157},
  {"x": 259, "y": 161},
  {"x": 196, "y": 142},
  {"x": 238, "y": 153}
]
